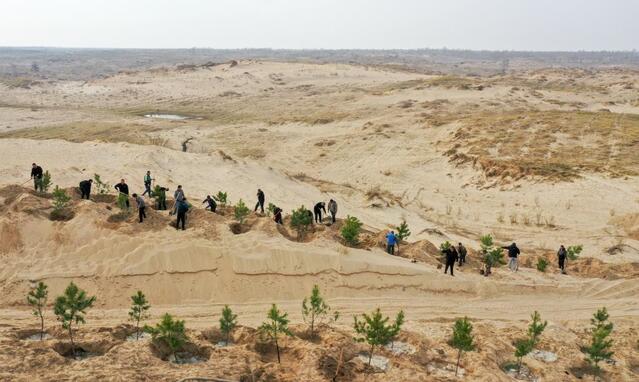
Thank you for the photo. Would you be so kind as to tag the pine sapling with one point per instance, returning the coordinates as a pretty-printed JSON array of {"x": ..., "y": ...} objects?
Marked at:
[
  {"x": 403, "y": 232},
  {"x": 351, "y": 229},
  {"x": 462, "y": 339},
  {"x": 101, "y": 187},
  {"x": 522, "y": 348},
  {"x": 221, "y": 197},
  {"x": 37, "y": 298},
  {"x": 271, "y": 209},
  {"x": 375, "y": 330},
  {"x": 542, "y": 264},
  {"x": 536, "y": 328},
  {"x": 573, "y": 251},
  {"x": 275, "y": 325},
  {"x": 139, "y": 311},
  {"x": 314, "y": 309},
  {"x": 600, "y": 345},
  {"x": 228, "y": 322},
  {"x": 121, "y": 201},
  {"x": 70, "y": 308},
  {"x": 241, "y": 211},
  {"x": 301, "y": 220},
  {"x": 44, "y": 183},
  {"x": 60, "y": 199},
  {"x": 171, "y": 332}
]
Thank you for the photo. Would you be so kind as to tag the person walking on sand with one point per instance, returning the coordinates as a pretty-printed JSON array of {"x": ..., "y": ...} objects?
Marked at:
[
  {"x": 319, "y": 207},
  {"x": 36, "y": 175},
  {"x": 141, "y": 206},
  {"x": 161, "y": 197},
  {"x": 123, "y": 188},
  {"x": 260, "y": 201},
  {"x": 513, "y": 253},
  {"x": 178, "y": 195},
  {"x": 211, "y": 203},
  {"x": 332, "y": 208},
  {"x": 182, "y": 207},
  {"x": 277, "y": 215},
  {"x": 147, "y": 184},
  {"x": 561, "y": 256},
  {"x": 451, "y": 257},
  {"x": 391, "y": 241},
  {"x": 461, "y": 251},
  {"x": 85, "y": 188}
]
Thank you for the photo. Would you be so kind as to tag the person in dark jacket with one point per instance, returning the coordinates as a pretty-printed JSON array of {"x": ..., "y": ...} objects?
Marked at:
[
  {"x": 260, "y": 201},
  {"x": 182, "y": 207},
  {"x": 123, "y": 188},
  {"x": 561, "y": 256},
  {"x": 277, "y": 215},
  {"x": 85, "y": 188},
  {"x": 332, "y": 208},
  {"x": 161, "y": 198},
  {"x": 513, "y": 253},
  {"x": 36, "y": 175},
  {"x": 141, "y": 206},
  {"x": 211, "y": 203},
  {"x": 461, "y": 251},
  {"x": 319, "y": 207},
  {"x": 451, "y": 257}
]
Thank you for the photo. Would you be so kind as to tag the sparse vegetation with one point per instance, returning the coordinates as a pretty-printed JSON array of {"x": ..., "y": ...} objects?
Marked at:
[
  {"x": 301, "y": 220},
  {"x": 462, "y": 338},
  {"x": 171, "y": 332},
  {"x": 600, "y": 345},
  {"x": 44, "y": 183},
  {"x": 573, "y": 251},
  {"x": 228, "y": 322},
  {"x": 351, "y": 229},
  {"x": 491, "y": 255},
  {"x": 270, "y": 210},
  {"x": 542, "y": 264},
  {"x": 241, "y": 211},
  {"x": 375, "y": 331},
  {"x": 221, "y": 197},
  {"x": 37, "y": 298},
  {"x": 121, "y": 202},
  {"x": 403, "y": 232},
  {"x": 60, "y": 199},
  {"x": 71, "y": 307},
  {"x": 100, "y": 186},
  {"x": 139, "y": 311},
  {"x": 526, "y": 345},
  {"x": 315, "y": 310},
  {"x": 275, "y": 326}
]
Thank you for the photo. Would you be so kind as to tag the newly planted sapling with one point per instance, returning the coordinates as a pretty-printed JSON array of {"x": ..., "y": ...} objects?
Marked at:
[
  {"x": 221, "y": 197},
  {"x": 70, "y": 308},
  {"x": 60, "y": 199},
  {"x": 403, "y": 232},
  {"x": 271, "y": 209},
  {"x": 573, "y": 251},
  {"x": 101, "y": 187},
  {"x": 542, "y": 264},
  {"x": 462, "y": 339},
  {"x": 600, "y": 345},
  {"x": 275, "y": 326},
  {"x": 44, "y": 183},
  {"x": 241, "y": 211},
  {"x": 314, "y": 309},
  {"x": 375, "y": 330},
  {"x": 171, "y": 332},
  {"x": 139, "y": 311},
  {"x": 37, "y": 298},
  {"x": 228, "y": 322},
  {"x": 351, "y": 229},
  {"x": 301, "y": 220}
]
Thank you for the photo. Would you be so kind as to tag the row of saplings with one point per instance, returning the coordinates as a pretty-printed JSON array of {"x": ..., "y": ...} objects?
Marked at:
[{"x": 374, "y": 329}]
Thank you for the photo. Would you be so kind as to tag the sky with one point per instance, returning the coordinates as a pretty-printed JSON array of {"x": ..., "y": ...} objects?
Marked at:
[{"x": 540, "y": 25}]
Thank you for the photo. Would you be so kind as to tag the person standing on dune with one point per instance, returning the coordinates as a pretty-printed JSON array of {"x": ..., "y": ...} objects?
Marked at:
[
  {"x": 147, "y": 184},
  {"x": 332, "y": 208},
  {"x": 141, "y": 206},
  {"x": 319, "y": 207},
  {"x": 85, "y": 188},
  {"x": 178, "y": 195},
  {"x": 451, "y": 257},
  {"x": 513, "y": 253},
  {"x": 461, "y": 251},
  {"x": 123, "y": 188},
  {"x": 181, "y": 208},
  {"x": 561, "y": 256},
  {"x": 260, "y": 201},
  {"x": 36, "y": 175},
  {"x": 391, "y": 240}
]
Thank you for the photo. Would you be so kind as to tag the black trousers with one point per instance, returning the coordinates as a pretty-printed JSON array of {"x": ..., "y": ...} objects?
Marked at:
[
  {"x": 318, "y": 216},
  {"x": 462, "y": 259},
  {"x": 390, "y": 248},
  {"x": 85, "y": 194},
  {"x": 451, "y": 265},
  {"x": 260, "y": 204},
  {"x": 142, "y": 213},
  {"x": 562, "y": 263},
  {"x": 181, "y": 217},
  {"x": 162, "y": 204},
  {"x": 147, "y": 189},
  {"x": 332, "y": 217}
]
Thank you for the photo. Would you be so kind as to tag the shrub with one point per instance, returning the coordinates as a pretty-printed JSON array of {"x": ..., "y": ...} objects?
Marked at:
[
  {"x": 402, "y": 233},
  {"x": 271, "y": 209},
  {"x": 169, "y": 331},
  {"x": 276, "y": 324},
  {"x": 221, "y": 198},
  {"x": 462, "y": 339},
  {"x": 228, "y": 322},
  {"x": 351, "y": 229},
  {"x": 573, "y": 251},
  {"x": 138, "y": 312},
  {"x": 71, "y": 307},
  {"x": 492, "y": 255},
  {"x": 600, "y": 345},
  {"x": 375, "y": 331},
  {"x": 122, "y": 199},
  {"x": 241, "y": 211},
  {"x": 315, "y": 309},
  {"x": 44, "y": 183},
  {"x": 301, "y": 219},
  {"x": 100, "y": 186},
  {"x": 60, "y": 199},
  {"x": 542, "y": 263},
  {"x": 37, "y": 298}
]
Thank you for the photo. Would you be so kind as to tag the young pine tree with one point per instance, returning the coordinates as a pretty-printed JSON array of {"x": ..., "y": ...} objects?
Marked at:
[
  {"x": 535, "y": 328},
  {"x": 45, "y": 182},
  {"x": 241, "y": 211},
  {"x": 542, "y": 264},
  {"x": 228, "y": 322},
  {"x": 71, "y": 307},
  {"x": 402, "y": 233},
  {"x": 314, "y": 309},
  {"x": 169, "y": 331},
  {"x": 275, "y": 325},
  {"x": 121, "y": 201},
  {"x": 522, "y": 348},
  {"x": 139, "y": 311},
  {"x": 300, "y": 221},
  {"x": 221, "y": 197},
  {"x": 462, "y": 339},
  {"x": 573, "y": 251},
  {"x": 351, "y": 229},
  {"x": 375, "y": 330},
  {"x": 600, "y": 345},
  {"x": 60, "y": 199},
  {"x": 271, "y": 209},
  {"x": 37, "y": 298},
  {"x": 100, "y": 186}
]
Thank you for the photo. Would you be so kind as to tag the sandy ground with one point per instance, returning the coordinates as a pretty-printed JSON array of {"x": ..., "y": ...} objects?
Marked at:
[{"x": 305, "y": 133}]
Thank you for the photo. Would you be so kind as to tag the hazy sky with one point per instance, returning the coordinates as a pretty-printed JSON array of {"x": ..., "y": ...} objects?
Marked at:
[{"x": 473, "y": 24}]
